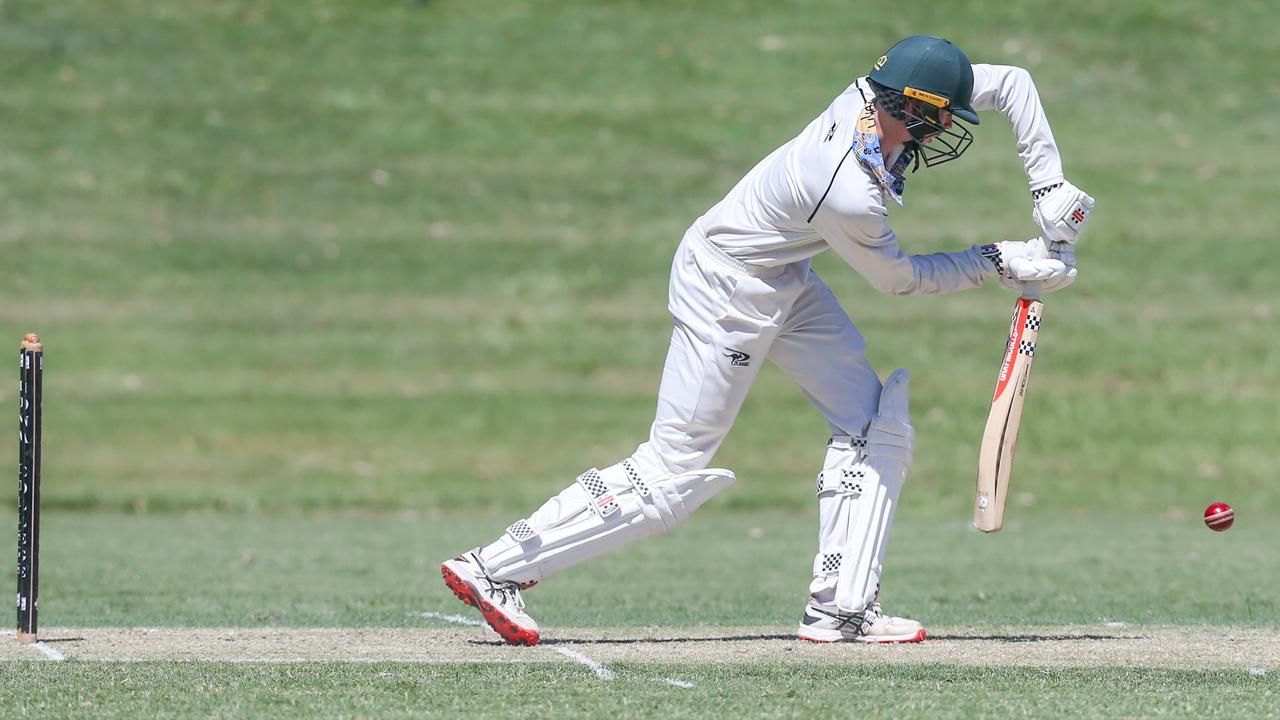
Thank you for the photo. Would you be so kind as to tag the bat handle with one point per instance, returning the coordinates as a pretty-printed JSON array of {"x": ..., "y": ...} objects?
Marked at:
[{"x": 1031, "y": 290}]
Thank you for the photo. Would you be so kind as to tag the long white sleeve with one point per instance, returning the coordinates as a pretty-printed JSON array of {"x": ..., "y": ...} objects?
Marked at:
[
  {"x": 812, "y": 194},
  {"x": 1011, "y": 91}
]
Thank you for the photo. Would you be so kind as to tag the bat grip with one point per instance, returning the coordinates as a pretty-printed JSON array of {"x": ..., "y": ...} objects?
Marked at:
[{"x": 1031, "y": 290}]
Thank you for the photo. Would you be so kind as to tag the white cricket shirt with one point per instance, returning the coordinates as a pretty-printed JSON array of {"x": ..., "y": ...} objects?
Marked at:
[{"x": 813, "y": 193}]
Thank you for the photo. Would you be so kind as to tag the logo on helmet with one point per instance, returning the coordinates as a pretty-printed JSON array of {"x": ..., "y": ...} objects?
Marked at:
[
  {"x": 880, "y": 63},
  {"x": 932, "y": 98}
]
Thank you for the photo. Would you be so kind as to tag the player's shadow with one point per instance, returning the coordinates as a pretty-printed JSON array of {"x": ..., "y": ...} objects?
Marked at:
[
  {"x": 628, "y": 641},
  {"x": 1033, "y": 638},
  {"x": 632, "y": 641},
  {"x": 792, "y": 637}
]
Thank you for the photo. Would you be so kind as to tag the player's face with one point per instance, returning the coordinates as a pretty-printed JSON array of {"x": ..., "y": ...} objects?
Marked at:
[
  {"x": 935, "y": 128},
  {"x": 944, "y": 119}
]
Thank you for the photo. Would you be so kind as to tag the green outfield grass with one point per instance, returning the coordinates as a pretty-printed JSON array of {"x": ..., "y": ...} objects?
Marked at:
[
  {"x": 332, "y": 290},
  {"x": 725, "y": 567},
  {"x": 539, "y": 691}
]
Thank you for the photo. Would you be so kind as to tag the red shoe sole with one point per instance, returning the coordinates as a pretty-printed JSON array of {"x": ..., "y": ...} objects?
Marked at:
[
  {"x": 816, "y": 641},
  {"x": 501, "y": 624},
  {"x": 918, "y": 637}
]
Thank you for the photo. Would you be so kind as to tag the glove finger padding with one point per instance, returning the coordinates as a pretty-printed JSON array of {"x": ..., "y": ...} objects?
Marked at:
[
  {"x": 1017, "y": 263},
  {"x": 1042, "y": 286},
  {"x": 1027, "y": 269}
]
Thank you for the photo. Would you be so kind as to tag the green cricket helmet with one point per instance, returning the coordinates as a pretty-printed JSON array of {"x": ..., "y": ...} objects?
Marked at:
[{"x": 915, "y": 80}]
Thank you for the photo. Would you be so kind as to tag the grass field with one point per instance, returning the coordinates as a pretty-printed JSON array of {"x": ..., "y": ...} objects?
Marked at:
[{"x": 333, "y": 290}]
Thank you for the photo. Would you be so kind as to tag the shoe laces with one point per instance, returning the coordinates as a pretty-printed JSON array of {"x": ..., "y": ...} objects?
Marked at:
[
  {"x": 870, "y": 616},
  {"x": 856, "y": 621},
  {"x": 507, "y": 593}
]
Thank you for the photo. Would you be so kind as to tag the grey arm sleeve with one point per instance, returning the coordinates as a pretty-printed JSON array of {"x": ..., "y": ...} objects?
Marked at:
[{"x": 863, "y": 238}]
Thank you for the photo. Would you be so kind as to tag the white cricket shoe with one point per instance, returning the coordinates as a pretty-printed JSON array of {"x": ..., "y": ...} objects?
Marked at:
[
  {"x": 499, "y": 602},
  {"x": 824, "y": 623}
]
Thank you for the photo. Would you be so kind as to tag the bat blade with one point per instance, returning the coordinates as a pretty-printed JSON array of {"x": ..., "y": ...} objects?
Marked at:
[{"x": 1000, "y": 436}]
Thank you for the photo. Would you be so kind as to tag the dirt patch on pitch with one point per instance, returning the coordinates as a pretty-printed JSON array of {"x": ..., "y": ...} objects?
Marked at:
[{"x": 1250, "y": 649}]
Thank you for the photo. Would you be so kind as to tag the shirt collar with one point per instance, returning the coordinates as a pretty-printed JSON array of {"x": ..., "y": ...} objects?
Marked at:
[{"x": 866, "y": 145}]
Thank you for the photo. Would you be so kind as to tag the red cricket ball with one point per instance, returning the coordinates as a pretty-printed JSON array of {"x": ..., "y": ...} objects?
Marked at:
[{"x": 1219, "y": 516}]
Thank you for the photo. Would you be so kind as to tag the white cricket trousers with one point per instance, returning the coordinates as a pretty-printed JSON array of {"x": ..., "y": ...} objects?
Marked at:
[{"x": 729, "y": 317}]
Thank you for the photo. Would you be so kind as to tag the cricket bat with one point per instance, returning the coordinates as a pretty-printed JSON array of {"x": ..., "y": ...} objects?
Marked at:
[{"x": 1000, "y": 437}]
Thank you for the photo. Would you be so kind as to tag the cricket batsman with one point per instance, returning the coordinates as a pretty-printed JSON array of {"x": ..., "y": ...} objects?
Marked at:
[{"x": 742, "y": 291}]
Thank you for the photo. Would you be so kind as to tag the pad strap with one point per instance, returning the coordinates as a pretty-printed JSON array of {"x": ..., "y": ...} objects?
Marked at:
[
  {"x": 847, "y": 442},
  {"x": 849, "y": 477},
  {"x": 521, "y": 531},
  {"x": 827, "y": 564},
  {"x": 633, "y": 476},
  {"x": 603, "y": 502},
  {"x": 848, "y": 480}
]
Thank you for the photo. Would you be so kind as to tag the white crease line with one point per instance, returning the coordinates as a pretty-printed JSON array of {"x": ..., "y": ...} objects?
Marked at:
[
  {"x": 601, "y": 671},
  {"x": 49, "y": 652},
  {"x": 456, "y": 619}
]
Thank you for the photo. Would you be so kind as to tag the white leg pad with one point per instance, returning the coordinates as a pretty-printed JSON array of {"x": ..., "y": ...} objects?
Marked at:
[
  {"x": 888, "y": 456},
  {"x": 602, "y": 510},
  {"x": 840, "y": 484}
]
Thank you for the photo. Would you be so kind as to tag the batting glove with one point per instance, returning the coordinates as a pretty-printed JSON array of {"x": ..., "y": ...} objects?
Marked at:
[
  {"x": 1016, "y": 263},
  {"x": 1061, "y": 211}
]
